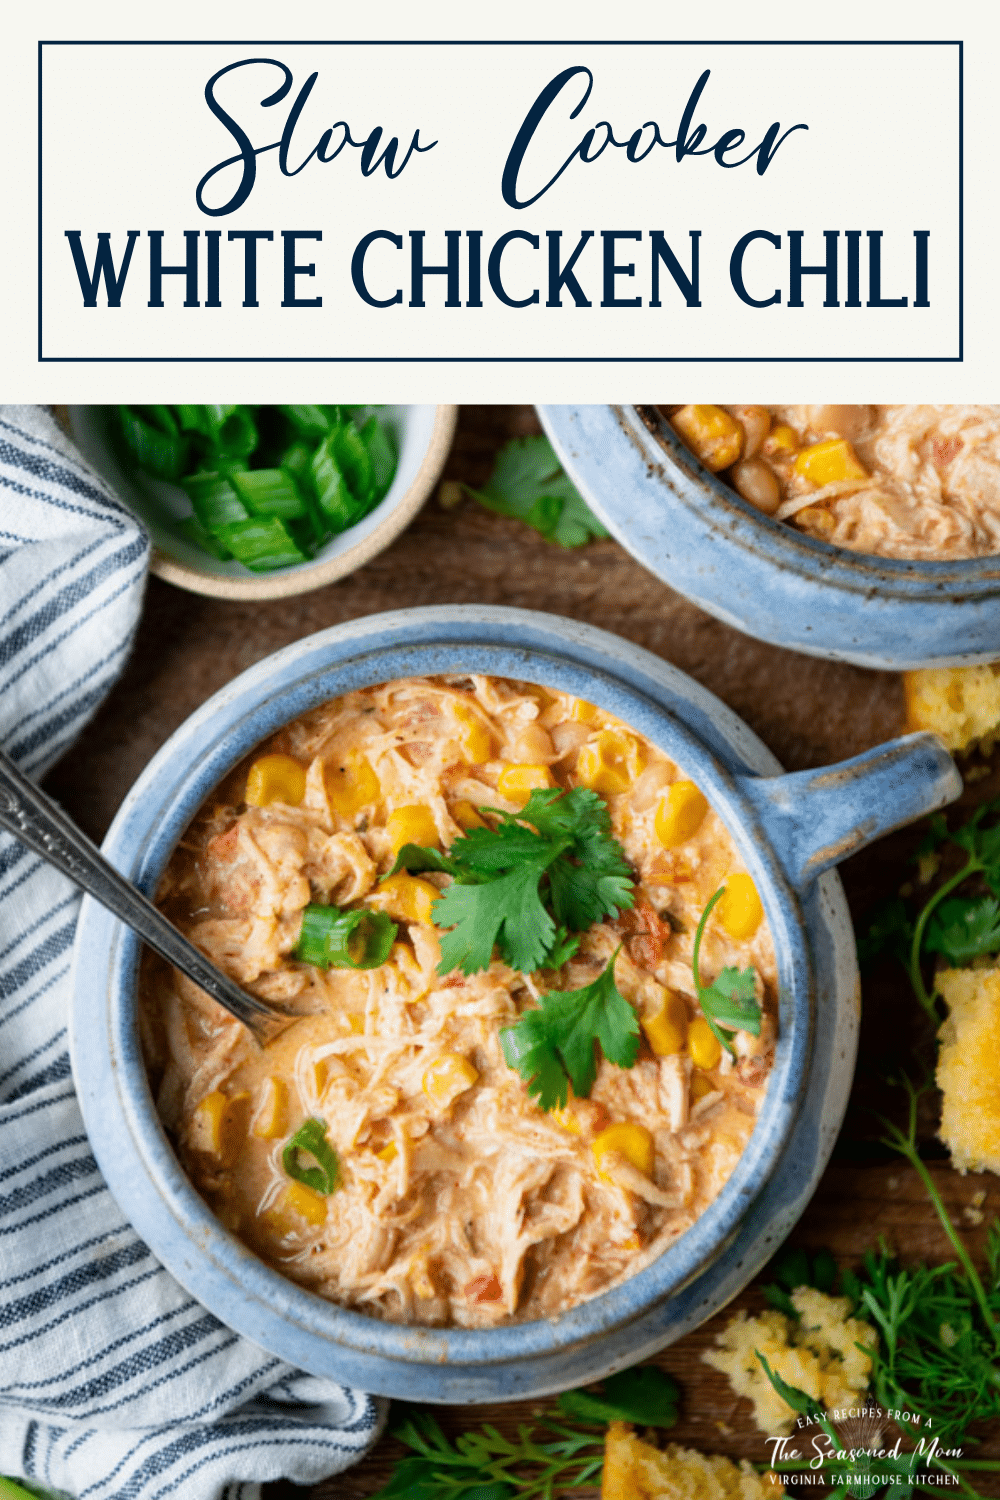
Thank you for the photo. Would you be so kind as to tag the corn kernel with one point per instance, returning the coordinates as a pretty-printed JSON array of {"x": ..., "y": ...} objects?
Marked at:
[
  {"x": 411, "y": 825},
  {"x": 420, "y": 1276},
  {"x": 781, "y": 440},
  {"x": 740, "y": 909},
  {"x": 408, "y": 898},
  {"x": 701, "y": 1085},
  {"x": 356, "y": 1023},
  {"x": 275, "y": 778},
  {"x": 633, "y": 1142},
  {"x": 320, "y": 1075},
  {"x": 269, "y": 1121},
  {"x": 567, "y": 1120},
  {"x": 447, "y": 1077},
  {"x": 711, "y": 433},
  {"x": 582, "y": 711},
  {"x": 516, "y": 782},
  {"x": 666, "y": 1027},
  {"x": 388, "y": 1153},
  {"x": 829, "y": 462},
  {"x": 466, "y": 816},
  {"x": 218, "y": 1126},
  {"x": 475, "y": 739},
  {"x": 304, "y": 1202},
  {"x": 703, "y": 1045},
  {"x": 611, "y": 762},
  {"x": 352, "y": 785},
  {"x": 680, "y": 814}
]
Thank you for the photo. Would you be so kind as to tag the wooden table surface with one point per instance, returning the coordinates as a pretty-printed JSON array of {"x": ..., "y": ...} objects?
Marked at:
[{"x": 808, "y": 712}]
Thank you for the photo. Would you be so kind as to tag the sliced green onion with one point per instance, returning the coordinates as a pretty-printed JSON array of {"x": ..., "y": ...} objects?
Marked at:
[
  {"x": 260, "y": 544},
  {"x": 308, "y": 421},
  {"x": 156, "y": 452},
  {"x": 160, "y": 417},
  {"x": 332, "y": 939},
  {"x": 306, "y": 533},
  {"x": 238, "y": 434},
  {"x": 381, "y": 455},
  {"x": 268, "y": 485},
  {"x": 296, "y": 460},
  {"x": 214, "y": 500},
  {"x": 198, "y": 535},
  {"x": 311, "y": 1137},
  {"x": 193, "y": 419},
  {"x": 269, "y": 492},
  {"x": 333, "y": 495},
  {"x": 215, "y": 418},
  {"x": 354, "y": 462}
]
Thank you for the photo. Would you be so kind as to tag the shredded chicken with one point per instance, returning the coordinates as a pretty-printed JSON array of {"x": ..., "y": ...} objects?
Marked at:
[
  {"x": 473, "y": 1207},
  {"x": 928, "y": 486}
]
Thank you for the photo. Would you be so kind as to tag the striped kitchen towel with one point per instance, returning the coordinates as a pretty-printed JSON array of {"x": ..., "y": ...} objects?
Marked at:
[{"x": 114, "y": 1384}]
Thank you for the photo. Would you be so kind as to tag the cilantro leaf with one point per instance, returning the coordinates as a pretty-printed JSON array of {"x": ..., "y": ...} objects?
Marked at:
[
  {"x": 528, "y": 483},
  {"x": 507, "y": 912},
  {"x": 554, "y": 1045},
  {"x": 561, "y": 949},
  {"x": 581, "y": 814},
  {"x": 527, "y": 884},
  {"x": 731, "y": 1001},
  {"x": 645, "y": 1396},
  {"x": 961, "y": 930},
  {"x": 417, "y": 857}
]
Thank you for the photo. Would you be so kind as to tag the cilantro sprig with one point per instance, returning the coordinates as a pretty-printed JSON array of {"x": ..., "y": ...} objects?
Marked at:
[
  {"x": 527, "y": 885},
  {"x": 554, "y": 1046},
  {"x": 729, "y": 1003},
  {"x": 958, "y": 928},
  {"x": 528, "y": 482}
]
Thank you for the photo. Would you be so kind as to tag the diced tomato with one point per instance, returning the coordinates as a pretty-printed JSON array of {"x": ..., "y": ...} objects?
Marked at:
[{"x": 483, "y": 1289}]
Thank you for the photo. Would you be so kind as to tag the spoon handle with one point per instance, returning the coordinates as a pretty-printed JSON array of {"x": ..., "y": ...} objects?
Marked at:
[{"x": 36, "y": 821}]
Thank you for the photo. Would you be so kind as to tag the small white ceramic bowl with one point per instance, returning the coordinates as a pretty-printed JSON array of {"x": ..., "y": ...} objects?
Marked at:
[{"x": 423, "y": 437}]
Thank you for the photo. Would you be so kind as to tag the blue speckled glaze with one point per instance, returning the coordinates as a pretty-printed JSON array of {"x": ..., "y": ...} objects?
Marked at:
[
  {"x": 763, "y": 576},
  {"x": 788, "y": 830}
]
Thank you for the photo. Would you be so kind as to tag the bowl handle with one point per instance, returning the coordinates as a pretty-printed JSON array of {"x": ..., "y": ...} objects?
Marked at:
[{"x": 815, "y": 819}]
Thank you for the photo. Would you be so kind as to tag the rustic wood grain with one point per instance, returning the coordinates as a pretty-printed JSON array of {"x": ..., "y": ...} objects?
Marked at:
[{"x": 808, "y": 712}]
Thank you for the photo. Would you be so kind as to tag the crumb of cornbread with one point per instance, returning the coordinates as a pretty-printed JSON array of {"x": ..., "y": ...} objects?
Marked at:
[
  {"x": 968, "y": 1071},
  {"x": 818, "y": 1354},
  {"x": 961, "y": 704},
  {"x": 634, "y": 1470}
]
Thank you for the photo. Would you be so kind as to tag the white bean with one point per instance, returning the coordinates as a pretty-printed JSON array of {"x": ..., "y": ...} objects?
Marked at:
[{"x": 758, "y": 483}]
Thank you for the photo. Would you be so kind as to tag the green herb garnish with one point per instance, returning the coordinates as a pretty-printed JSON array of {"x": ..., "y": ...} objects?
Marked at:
[
  {"x": 554, "y": 1046},
  {"x": 526, "y": 889},
  {"x": 528, "y": 482},
  {"x": 268, "y": 485},
  {"x": 729, "y": 1003},
  {"x": 546, "y": 1458},
  {"x": 311, "y": 1138},
  {"x": 958, "y": 928},
  {"x": 939, "y": 1326},
  {"x": 334, "y": 939}
]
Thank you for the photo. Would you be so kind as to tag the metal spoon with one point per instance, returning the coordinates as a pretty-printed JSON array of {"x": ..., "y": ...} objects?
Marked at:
[{"x": 37, "y": 822}]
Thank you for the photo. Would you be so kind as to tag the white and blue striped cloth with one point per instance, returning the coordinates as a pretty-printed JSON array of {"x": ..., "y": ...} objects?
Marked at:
[{"x": 114, "y": 1383}]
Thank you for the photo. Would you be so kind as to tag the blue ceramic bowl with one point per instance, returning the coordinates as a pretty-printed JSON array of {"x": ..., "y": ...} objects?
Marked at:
[
  {"x": 763, "y": 576},
  {"x": 788, "y": 829}
]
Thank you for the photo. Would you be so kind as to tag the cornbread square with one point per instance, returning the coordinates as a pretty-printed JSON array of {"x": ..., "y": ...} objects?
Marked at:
[
  {"x": 634, "y": 1470},
  {"x": 968, "y": 1071},
  {"x": 818, "y": 1353},
  {"x": 961, "y": 704}
]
